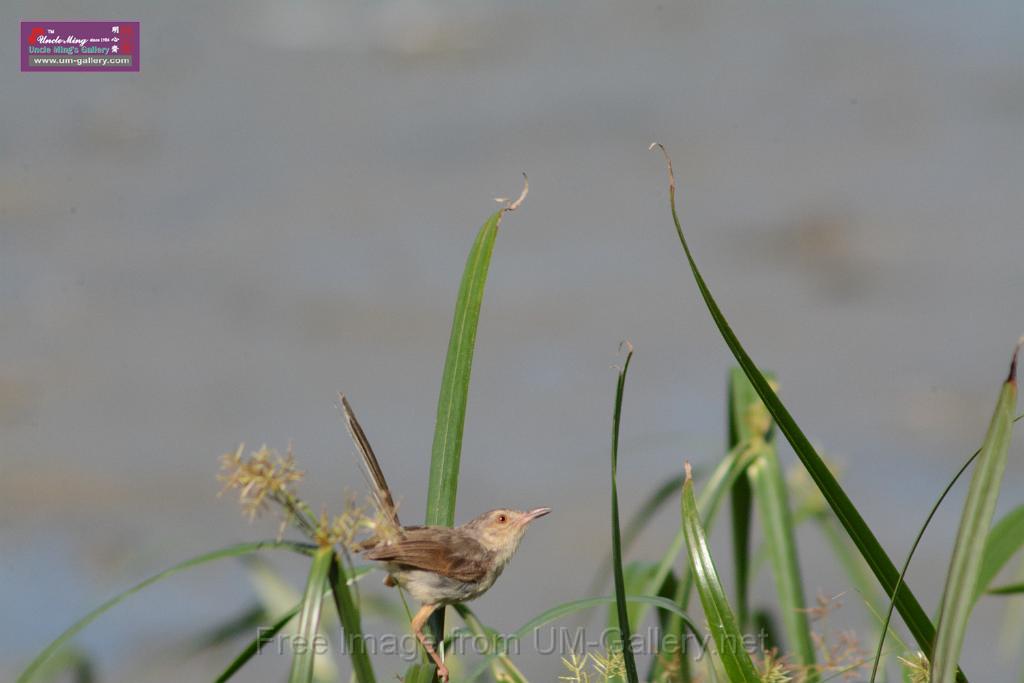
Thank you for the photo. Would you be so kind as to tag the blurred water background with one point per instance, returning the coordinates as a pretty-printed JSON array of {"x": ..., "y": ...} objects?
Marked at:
[{"x": 278, "y": 208}]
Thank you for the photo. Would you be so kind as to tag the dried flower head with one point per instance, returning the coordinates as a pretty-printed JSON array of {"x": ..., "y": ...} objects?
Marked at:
[
  {"x": 775, "y": 669},
  {"x": 577, "y": 668},
  {"x": 344, "y": 529},
  {"x": 609, "y": 665},
  {"x": 758, "y": 420},
  {"x": 264, "y": 474},
  {"x": 916, "y": 667}
]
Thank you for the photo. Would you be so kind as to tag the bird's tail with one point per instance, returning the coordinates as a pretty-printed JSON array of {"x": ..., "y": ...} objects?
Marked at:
[{"x": 371, "y": 468}]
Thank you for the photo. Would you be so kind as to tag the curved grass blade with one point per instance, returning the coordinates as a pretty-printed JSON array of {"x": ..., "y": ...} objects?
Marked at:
[
  {"x": 867, "y": 544},
  {"x": 1008, "y": 589},
  {"x": 628, "y": 659},
  {"x": 721, "y": 620},
  {"x": 231, "y": 551},
  {"x": 263, "y": 636},
  {"x": 1003, "y": 542},
  {"x": 304, "y": 645},
  {"x": 965, "y": 565},
  {"x": 574, "y": 606},
  {"x": 348, "y": 613},
  {"x": 446, "y": 452}
]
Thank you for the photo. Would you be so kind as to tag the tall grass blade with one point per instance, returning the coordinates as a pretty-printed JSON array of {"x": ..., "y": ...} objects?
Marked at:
[
  {"x": 741, "y": 397},
  {"x": 722, "y": 479},
  {"x": 965, "y": 565},
  {"x": 348, "y": 613},
  {"x": 458, "y": 365},
  {"x": 625, "y": 636},
  {"x": 451, "y": 404},
  {"x": 867, "y": 544},
  {"x": 277, "y": 596},
  {"x": 263, "y": 636},
  {"x": 750, "y": 424},
  {"x": 231, "y": 551},
  {"x": 721, "y": 620},
  {"x": 305, "y": 642},
  {"x": 773, "y": 508}
]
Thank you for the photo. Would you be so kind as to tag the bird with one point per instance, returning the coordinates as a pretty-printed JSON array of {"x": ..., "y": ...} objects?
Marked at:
[{"x": 436, "y": 565}]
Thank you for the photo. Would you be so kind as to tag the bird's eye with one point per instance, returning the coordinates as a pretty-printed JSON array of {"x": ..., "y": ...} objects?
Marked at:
[{"x": 502, "y": 519}]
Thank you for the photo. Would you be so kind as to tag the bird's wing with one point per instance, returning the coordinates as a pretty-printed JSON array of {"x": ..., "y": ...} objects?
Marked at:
[{"x": 436, "y": 549}]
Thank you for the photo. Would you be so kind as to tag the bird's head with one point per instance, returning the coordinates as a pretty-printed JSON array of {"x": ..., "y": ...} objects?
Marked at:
[{"x": 501, "y": 530}]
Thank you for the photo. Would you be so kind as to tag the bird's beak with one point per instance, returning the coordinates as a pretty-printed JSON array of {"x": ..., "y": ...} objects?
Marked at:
[{"x": 534, "y": 514}]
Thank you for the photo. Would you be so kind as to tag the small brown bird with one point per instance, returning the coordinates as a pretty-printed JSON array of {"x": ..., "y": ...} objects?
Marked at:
[{"x": 438, "y": 565}]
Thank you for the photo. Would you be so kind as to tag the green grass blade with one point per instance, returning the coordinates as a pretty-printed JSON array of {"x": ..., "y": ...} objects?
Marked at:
[
  {"x": 232, "y": 551},
  {"x": 625, "y": 636},
  {"x": 1003, "y": 542},
  {"x": 772, "y": 500},
  {"x": 446, "y": 452},
  {"x": 722, "y": 479},
  {"x": 965, "y": 565},
  {"x": 741, "y": 397},
  {"x": 867, "y": 544},
  {"x": 749, "y": 423},
  {"x": 348, "y": 613},
  {"x": 721, "y": 620},
  {"x": 277, "y": 596},
  {"x": 569, "y": 608},
  {"x": 1008, "y": 589},
  {"x": 451, "y": 404},
  {"x": 263, "y": 636},
  {"x": 458, "y": 365},
  {"x": 304, "y": 644}
]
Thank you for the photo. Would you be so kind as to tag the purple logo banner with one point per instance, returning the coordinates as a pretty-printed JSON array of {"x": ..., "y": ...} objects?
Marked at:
[{"x": 79, "y": 45}]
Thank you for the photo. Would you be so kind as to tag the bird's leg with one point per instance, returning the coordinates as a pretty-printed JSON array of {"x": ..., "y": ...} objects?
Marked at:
[{"x": 417, "y": 627}]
